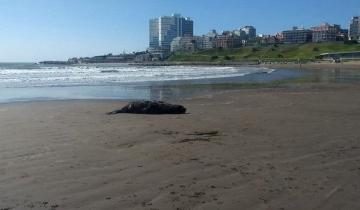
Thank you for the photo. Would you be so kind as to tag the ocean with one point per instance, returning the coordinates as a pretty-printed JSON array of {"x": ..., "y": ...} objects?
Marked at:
[{"x": 30, "y": 82}]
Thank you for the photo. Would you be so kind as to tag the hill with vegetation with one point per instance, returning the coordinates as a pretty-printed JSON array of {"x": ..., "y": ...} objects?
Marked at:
[{"x": 277, "y": 52}]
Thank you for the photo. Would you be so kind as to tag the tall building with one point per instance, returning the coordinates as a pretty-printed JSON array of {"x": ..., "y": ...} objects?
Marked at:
[
  {"x": 250, "y": 32},
  {"x": 325, "y": 32},
  {"x": 164, "y": 29},
  {"x": 354, "y": 31},
  {"x": 154, "y": 34},
  {"x": 297, "y": 36}
]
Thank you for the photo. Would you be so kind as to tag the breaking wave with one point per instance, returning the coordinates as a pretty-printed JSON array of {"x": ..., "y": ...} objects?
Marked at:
[{"x": 67, "y": 76}]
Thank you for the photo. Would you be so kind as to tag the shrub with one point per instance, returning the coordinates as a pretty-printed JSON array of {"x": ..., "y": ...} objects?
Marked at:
[
  {"x": 214, "y": 57},
  {"x": 350, "y": 42},
  {"x": 227, "y": 57}
]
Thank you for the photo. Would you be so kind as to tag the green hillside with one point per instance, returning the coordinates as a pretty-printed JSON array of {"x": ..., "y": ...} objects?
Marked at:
[{"x": 271, "y": 53}]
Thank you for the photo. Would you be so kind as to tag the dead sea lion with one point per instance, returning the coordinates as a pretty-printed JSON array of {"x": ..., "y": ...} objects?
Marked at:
[{"x": 150, "y": 107}]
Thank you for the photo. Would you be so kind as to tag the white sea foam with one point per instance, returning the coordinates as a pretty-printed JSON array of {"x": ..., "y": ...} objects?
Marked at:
[{"x": 50, "y": 76}]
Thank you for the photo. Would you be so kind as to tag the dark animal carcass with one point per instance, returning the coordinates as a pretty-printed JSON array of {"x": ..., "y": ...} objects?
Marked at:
[{"x": 150, "y": 107}]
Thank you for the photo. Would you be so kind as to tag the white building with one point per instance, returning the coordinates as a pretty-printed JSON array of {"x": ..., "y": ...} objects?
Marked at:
[
  {"x": 354, "y": 31},
  {"x": 183, "y": 44},
  {"x": 191, "y": 44}
]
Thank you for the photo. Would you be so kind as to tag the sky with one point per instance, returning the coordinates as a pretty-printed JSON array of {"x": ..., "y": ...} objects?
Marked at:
[{"x": 36, "y": 30}]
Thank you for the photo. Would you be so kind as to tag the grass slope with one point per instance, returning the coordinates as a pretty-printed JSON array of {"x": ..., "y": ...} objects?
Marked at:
[{"x": 281, "y": 52}]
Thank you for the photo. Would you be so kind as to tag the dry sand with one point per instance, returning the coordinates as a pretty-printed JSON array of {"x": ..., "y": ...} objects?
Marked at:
[{"x": 247, "y": 149}]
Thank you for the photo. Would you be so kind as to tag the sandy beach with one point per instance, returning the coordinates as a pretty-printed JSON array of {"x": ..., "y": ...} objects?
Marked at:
[
  {"x": 255, "y": 149},
  {"x": 324, "y": 65}
]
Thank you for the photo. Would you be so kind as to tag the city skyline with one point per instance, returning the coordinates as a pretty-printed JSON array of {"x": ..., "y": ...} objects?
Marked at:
[{"x": 44, "y": 30}]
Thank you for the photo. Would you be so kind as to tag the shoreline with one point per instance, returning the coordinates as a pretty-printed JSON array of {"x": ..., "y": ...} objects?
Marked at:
[
  {"x": 150, "y": 90},
  {"x": 351, "y": 65},
  {"x": 287, "y": 75},
  {"x": 316, "y": 66}
]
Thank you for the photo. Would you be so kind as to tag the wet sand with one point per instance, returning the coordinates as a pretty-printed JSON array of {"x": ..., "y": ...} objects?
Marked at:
[{"x": 257, "y": 149}]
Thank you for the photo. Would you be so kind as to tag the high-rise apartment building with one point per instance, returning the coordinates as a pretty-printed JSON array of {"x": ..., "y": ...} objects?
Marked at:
[
  {"x": 354, "y": 30},
  {"x": 154, "y": 34},
  {"x": 164, "y": 29}
]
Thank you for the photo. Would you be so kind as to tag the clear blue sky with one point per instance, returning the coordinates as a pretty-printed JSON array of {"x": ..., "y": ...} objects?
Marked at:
[{"x": 34, "y": 30}]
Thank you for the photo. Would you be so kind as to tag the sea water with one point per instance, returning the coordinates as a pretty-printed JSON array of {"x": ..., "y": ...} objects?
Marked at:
[{"x": 28, "y": 82}]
